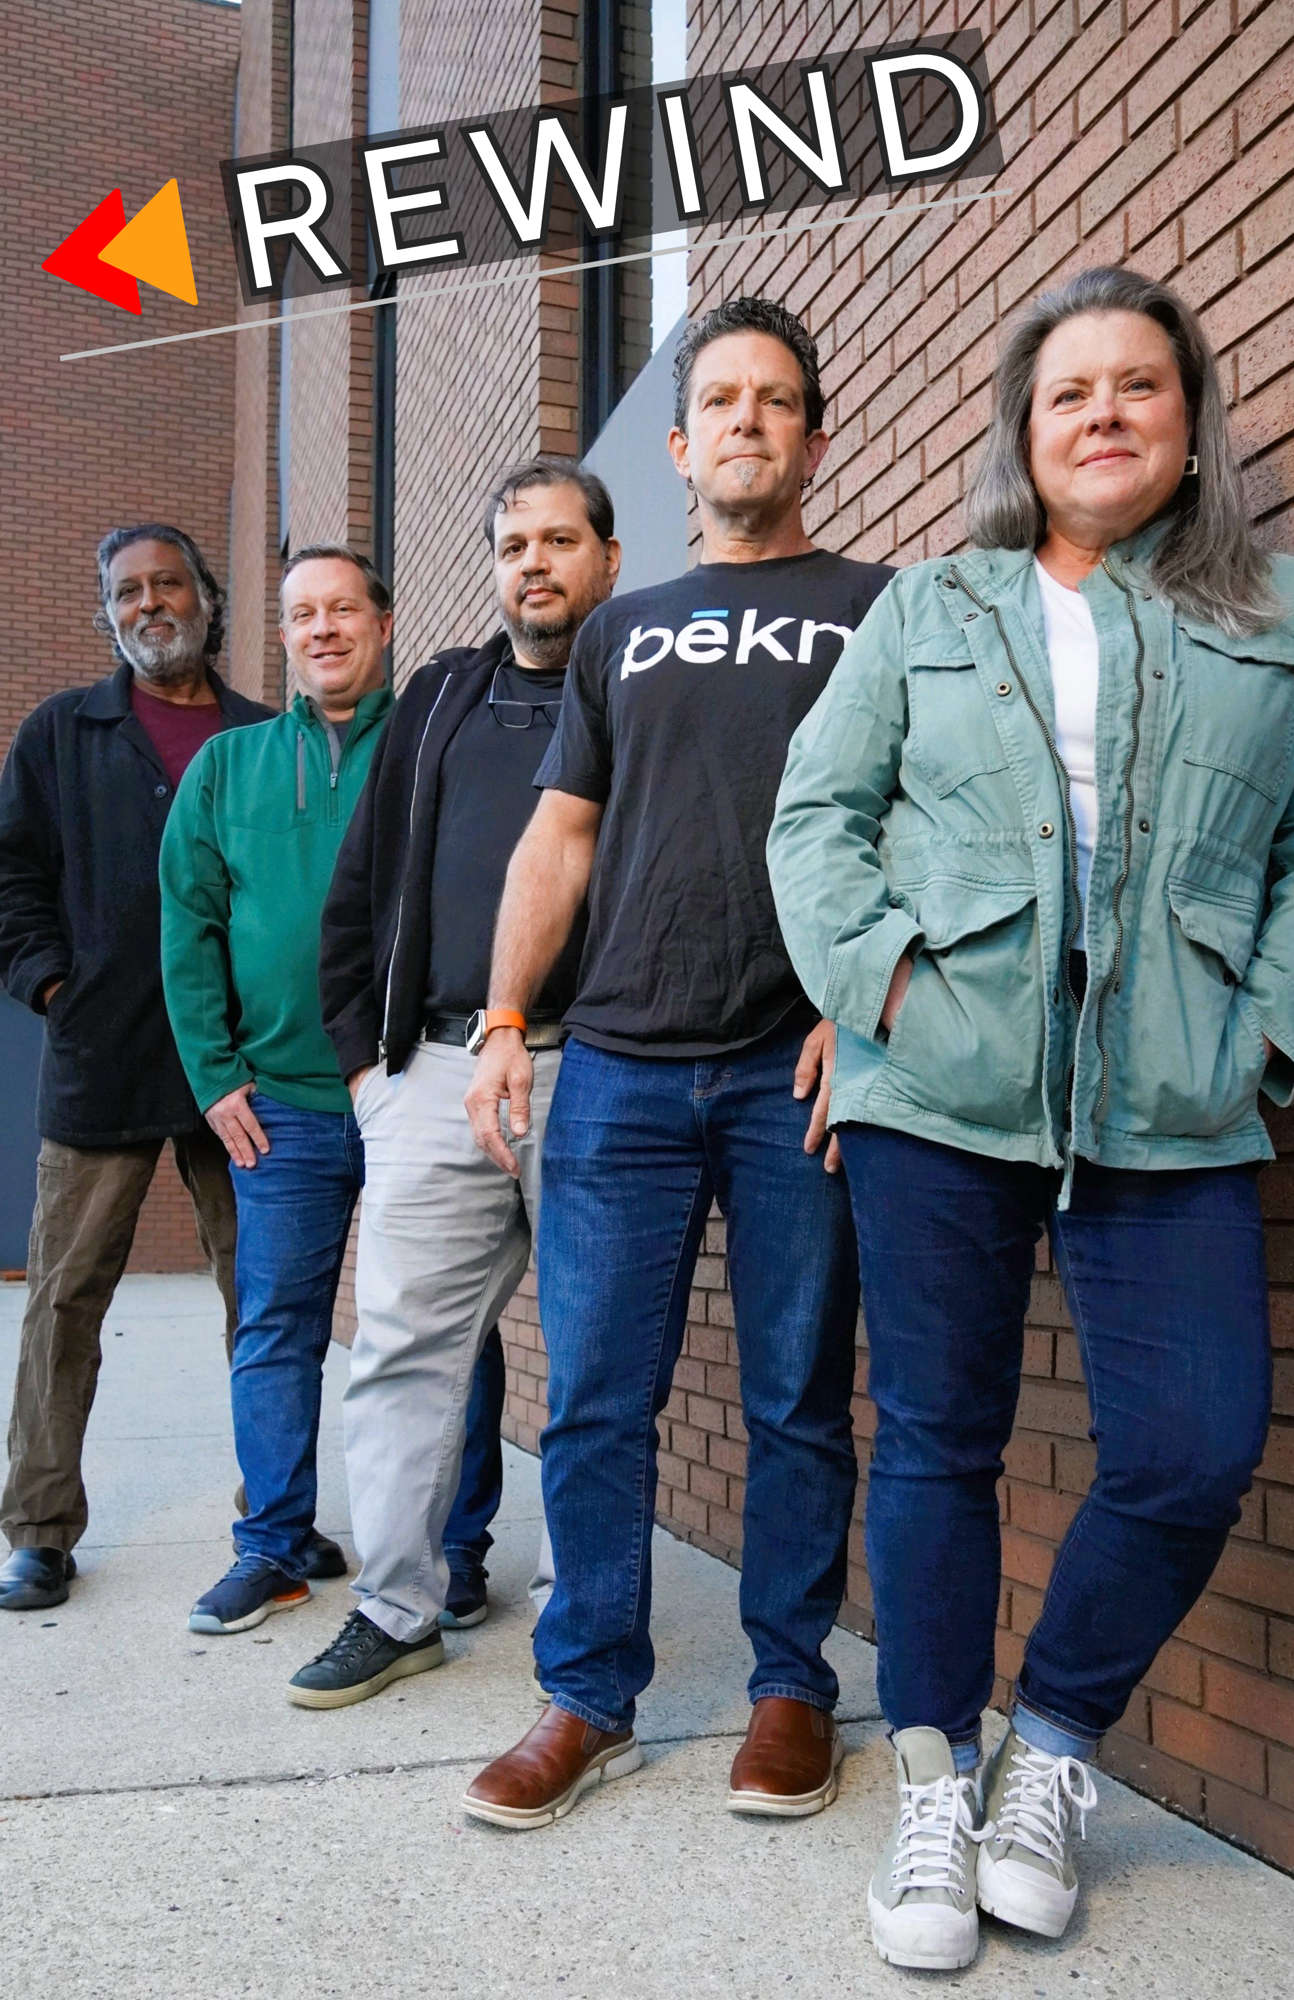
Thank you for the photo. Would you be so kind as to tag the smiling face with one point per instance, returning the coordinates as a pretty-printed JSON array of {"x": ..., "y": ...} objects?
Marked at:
[
  {"x": 1109, "y": 429},
  {"x": 745, "y": 449},
  {"x": 158, "y": 618},
  {"x": 550, "y": 568},
  {"x": 333, "y": 633}
]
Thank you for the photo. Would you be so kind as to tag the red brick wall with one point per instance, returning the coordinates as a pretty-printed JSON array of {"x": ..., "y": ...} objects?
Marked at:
[
  {"x": 130, "y": 436},
  {"x": 1154, "y": 135}
]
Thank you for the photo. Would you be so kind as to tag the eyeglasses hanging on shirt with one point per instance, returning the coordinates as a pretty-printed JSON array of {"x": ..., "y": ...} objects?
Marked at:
[{"x": 511, "y": 714}]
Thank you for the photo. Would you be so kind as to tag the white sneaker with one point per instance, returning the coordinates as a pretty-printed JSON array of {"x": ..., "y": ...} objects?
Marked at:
[
  {"x": 921, "y": 1900},
  {"x": 1025, "y": 1874}
]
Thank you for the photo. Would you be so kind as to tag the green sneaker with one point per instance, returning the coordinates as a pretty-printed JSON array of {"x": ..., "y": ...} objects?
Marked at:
[
  {"x": 1025, "y": 1874},
  {"x": 921, "y": 1900}
]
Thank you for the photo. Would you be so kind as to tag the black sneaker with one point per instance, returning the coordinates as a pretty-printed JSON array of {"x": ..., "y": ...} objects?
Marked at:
[
  {"x": 465, "y": 1603},
  {"x": 361, "y": 1661},
  {"x": 246, "y": 1595},
  {"x": 325, "y": 1559}
]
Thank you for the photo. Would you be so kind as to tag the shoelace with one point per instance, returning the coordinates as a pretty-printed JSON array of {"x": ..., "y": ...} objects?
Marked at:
[
  {"x": 1041, "y": 1793},
  {"x": 353, "y": 1635},
  {"x": 935, "y": 1823}
]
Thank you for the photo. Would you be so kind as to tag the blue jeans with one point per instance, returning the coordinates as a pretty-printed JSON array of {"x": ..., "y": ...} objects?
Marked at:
[
  {"x": 1164, "y": 1273},
  {"x": 636, "y": 1150},
  {"x": 480, "y": 1483},
  {"x": 294, "y": 1213}
]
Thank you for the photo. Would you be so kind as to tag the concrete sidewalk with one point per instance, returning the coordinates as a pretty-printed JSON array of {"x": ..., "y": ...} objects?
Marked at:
[{"x": 170, "y": 1826}]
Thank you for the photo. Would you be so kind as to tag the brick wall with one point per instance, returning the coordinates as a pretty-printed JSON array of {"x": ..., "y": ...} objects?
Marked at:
[
  {"x": 130, "y": 436},
  {"x": 1157, "y": 135}
]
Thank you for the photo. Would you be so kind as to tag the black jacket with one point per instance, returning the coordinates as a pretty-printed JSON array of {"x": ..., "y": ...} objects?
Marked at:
[
  {"x": 83, "y": 800},
  {"x": 375, "y": 947}
]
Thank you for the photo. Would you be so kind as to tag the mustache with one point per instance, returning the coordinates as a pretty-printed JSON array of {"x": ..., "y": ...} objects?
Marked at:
[{"x": 539, "y": 583}]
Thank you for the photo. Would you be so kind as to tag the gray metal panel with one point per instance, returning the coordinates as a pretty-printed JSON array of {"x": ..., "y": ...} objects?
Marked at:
[
  {"x": 631, "y": 457},
  {"x": 21, "y": 1035}
]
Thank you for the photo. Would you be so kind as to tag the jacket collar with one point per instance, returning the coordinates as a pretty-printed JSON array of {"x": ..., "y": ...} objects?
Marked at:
[
  {"x": 108, "y": 700},
  {"x": 992, "y": 571},
  {"x": 369, "y": 706}
]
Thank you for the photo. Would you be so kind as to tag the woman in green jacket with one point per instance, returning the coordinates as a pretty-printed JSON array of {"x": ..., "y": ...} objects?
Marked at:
[{"x": 1034, "y": 854}]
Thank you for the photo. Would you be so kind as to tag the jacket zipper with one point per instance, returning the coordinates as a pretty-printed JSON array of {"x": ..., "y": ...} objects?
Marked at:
[
  {"x": 399, "y": 908},
  {"x": 1129, "y": 772}
]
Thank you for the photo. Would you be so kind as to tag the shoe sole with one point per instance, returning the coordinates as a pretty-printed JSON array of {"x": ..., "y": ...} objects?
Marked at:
[
  {"x": 453, "y": 1622},
  {"x": 618, "y": 1762},
  {"x": 796, "y": 1805},
  {"x": 206, "y": 1621},
  {"x": 895, "y": 1953},
  {"x": 1044, "y": 1909},
  {"x": 399, "y": 1670}
]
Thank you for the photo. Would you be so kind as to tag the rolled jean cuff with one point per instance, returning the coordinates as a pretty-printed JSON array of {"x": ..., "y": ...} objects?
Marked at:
[
  {"x": 967, "y": 1755},
  {"x": 611, "y": 1725},
  {"x": 786, "y": 1692},
  {"x": 1051, "y": 1735}
]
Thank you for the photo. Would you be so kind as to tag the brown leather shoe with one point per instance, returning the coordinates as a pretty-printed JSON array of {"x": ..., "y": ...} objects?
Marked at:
[
  {"x": 787, "y": 1765},
  {"x": 540, "y": 1778}
]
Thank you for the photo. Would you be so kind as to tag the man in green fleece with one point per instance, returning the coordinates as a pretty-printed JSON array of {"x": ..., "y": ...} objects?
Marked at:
[{"x": 246, "y": 862}]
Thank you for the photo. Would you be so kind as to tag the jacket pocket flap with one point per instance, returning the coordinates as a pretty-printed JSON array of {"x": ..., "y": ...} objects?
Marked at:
[
  {"x": 1272, "y": 648},
  {"x": 1222, "y": 924},
  {"x": 940, "y": 648},
  {"x": 949, "y": 910}
]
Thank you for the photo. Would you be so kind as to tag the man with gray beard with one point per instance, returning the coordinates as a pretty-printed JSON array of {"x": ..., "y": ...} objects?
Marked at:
[{"x": 83, "y": 799}]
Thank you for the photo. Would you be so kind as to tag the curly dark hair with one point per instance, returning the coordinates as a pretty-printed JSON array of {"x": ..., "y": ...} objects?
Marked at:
[
  {"x": 749, "y": 316},
  {"x": 212, "y": 597}
]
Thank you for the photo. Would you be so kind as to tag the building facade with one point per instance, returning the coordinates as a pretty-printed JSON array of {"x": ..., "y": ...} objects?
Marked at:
[
  {"x": 122, "y": 438},
  {"x": 1155, "y": 133}
]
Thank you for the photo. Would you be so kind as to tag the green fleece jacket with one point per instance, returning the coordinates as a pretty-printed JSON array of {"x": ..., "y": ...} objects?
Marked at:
[{"x": 247, "y": 859}]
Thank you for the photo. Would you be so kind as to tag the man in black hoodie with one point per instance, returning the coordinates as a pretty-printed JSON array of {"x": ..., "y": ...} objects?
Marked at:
[
  {"x": 84, "y": 797},
  {"x": 444, "y": 1233}
]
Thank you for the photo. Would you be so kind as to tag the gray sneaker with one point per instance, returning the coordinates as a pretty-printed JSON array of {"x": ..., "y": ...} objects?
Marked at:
[
  {"x": 1025, "y": 1874},
  {"x": 921, "y": 1900}
]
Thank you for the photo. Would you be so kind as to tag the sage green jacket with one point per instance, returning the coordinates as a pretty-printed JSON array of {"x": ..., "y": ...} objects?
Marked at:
[{"x": 924, "y": 808}]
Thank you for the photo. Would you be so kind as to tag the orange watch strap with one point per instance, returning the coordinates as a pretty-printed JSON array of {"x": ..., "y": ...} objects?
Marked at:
[{"x": 504, "y": 1017}]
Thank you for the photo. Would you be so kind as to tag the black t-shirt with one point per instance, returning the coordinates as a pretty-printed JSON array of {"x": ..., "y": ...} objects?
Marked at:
[
  {"x": 680, "y": 706},
  {"x": 486, "y": 799}
]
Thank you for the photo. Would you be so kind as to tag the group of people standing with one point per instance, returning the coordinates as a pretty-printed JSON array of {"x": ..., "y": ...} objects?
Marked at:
[{"x": 973, "y": 880}]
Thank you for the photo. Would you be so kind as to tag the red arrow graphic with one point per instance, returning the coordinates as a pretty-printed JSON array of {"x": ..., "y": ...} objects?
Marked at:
[{"x": 76, "y": 261}]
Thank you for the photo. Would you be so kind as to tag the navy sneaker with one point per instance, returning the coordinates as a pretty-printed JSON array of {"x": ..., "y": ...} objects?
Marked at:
[
  {"x": 362, "y": 1661},
  {"x": 465, "y": 1603},
  {"x": 246, "y": 1595}
]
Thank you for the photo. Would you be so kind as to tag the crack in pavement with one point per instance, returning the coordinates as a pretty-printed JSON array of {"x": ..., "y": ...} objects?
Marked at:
[{"x": 263, "y": 1779}]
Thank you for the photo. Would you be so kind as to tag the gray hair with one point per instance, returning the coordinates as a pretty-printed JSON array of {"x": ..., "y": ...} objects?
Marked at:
[
  {"x": 751, "y": 315},
  {"x": 210, "y": 596},
  {"x": 1208, "y": 564}
]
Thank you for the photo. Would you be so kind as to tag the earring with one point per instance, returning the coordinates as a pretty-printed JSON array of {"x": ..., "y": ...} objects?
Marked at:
[
  {"x": 805, "y": 484},
  {"x": 1191, "y": 469}
]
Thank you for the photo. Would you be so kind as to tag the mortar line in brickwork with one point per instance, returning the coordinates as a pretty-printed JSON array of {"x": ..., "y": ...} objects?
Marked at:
[{"x": 537, "y": 277}]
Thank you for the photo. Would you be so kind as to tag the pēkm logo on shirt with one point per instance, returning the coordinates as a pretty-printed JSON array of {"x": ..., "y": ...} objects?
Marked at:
[{"x": 707, "y": 639}]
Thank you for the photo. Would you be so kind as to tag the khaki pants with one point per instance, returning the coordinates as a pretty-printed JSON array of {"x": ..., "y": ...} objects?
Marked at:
[{"x": 87, "y": 1206}]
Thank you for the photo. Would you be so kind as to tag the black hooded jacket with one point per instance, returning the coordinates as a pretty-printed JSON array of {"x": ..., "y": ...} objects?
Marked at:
[
  {"x": 375, "y": 947},
  {"x": 83, "y": 800}
]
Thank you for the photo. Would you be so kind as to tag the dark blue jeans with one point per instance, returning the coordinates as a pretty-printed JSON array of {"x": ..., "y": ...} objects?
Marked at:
[
  {"x": 636, "y": 1150},
  {"x": 1164, "y": 1273},
  {"x": 294, "y": 1212}
]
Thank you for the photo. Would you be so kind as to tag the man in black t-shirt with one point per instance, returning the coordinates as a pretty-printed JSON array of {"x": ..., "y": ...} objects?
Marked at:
[
  {"x": 404, "y": 966},
  {"x": 692, "y": 1058}
]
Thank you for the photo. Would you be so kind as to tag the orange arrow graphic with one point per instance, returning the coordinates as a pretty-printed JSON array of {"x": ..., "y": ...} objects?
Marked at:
[{"x": 154, "y": 247}]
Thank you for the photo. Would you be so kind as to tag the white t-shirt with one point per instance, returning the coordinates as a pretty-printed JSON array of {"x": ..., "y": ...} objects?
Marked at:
[{"x": 1072, "y": 651}]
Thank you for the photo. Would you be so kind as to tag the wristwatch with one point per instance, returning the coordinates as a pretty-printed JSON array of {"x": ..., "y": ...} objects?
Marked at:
[{"x": 485, "y": 1019}]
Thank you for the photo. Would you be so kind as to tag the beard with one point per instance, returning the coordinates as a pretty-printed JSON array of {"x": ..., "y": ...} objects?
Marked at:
[
  {"x": 169, "y": 656},
  {"x": 548, "y": 644}
]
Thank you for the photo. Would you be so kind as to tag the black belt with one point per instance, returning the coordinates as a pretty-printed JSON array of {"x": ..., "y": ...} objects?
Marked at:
[{"x": 452, "y": 1028}]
